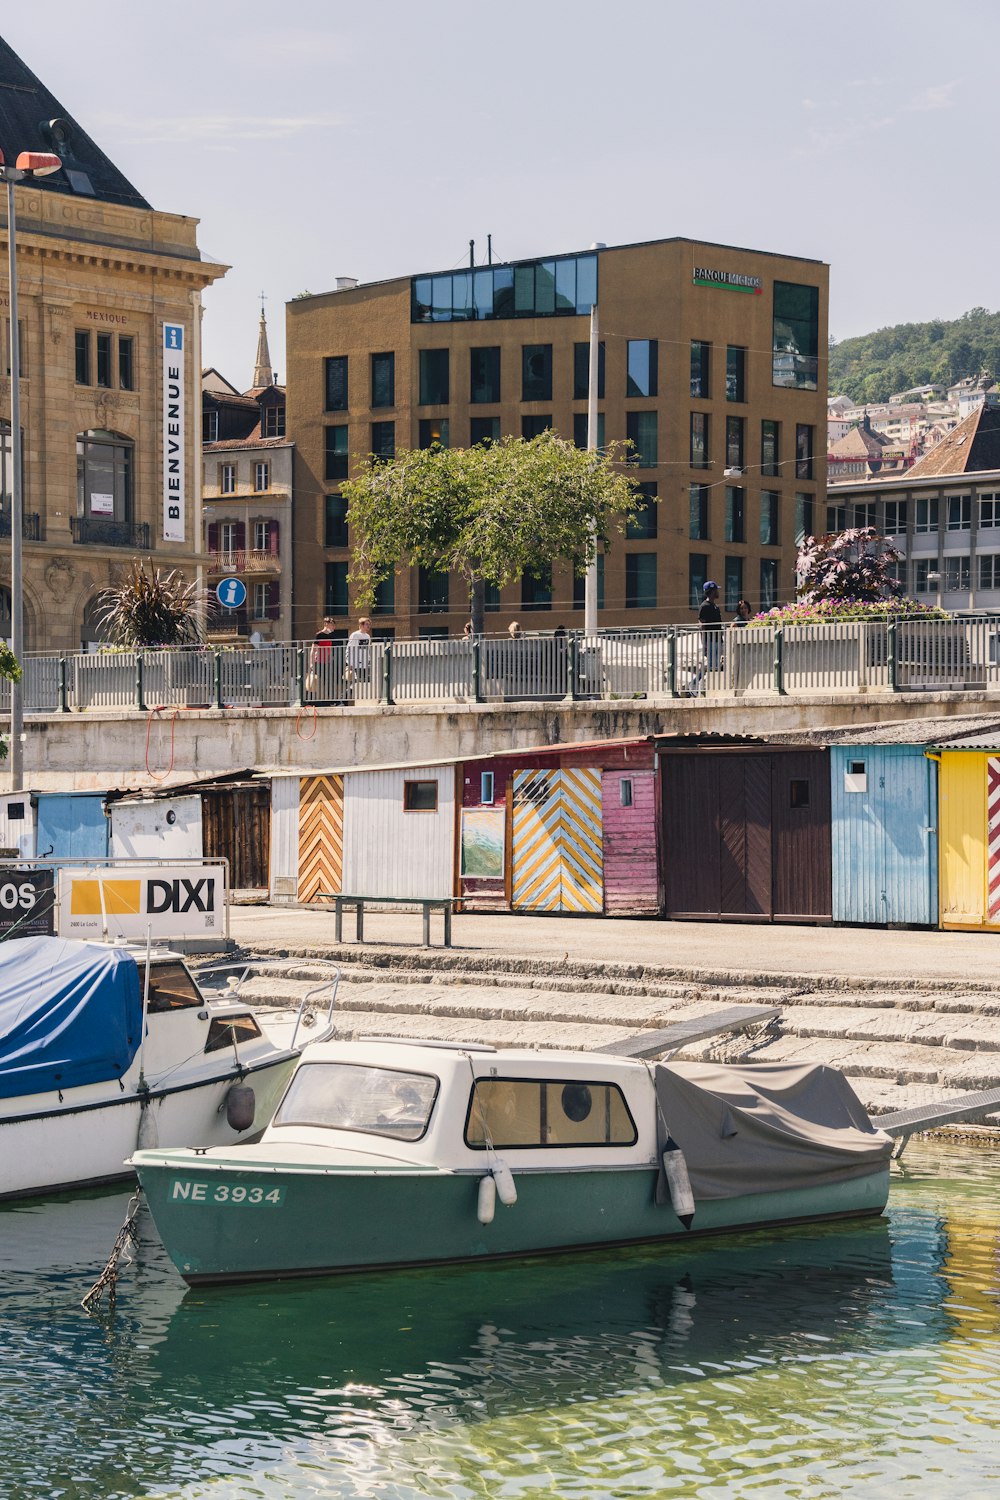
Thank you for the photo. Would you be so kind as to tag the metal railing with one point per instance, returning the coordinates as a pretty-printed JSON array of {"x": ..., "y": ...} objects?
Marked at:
[
  {"x": 906, "y": 655},
  {"x": 244, "y": 560},
  {"x": 108, "y": 533}
]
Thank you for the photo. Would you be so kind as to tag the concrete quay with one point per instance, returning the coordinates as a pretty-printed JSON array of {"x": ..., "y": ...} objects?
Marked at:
[{"x": 912, "y": 1018}]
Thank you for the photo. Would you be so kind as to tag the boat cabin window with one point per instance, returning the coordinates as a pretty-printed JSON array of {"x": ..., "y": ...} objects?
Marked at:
[
  {"x": 509, "y": 1112},
  {"x": 170, "y": 988},
  {"x": 225, "y": 1030},
  {"x": 349, "y": 1096}
]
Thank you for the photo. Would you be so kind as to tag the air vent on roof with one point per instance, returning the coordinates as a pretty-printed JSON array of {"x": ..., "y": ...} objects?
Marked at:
[{"x": 346, "y": 283}]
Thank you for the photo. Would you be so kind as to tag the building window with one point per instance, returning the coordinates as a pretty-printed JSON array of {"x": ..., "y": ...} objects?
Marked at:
[
  {"x": 83, "y": 356},
  {"x": 227, "y": 479},
  {"x": 642, "y": 525},
  {"x": 231, "y": 537},
  {"x": 104, "y": 467},
  {"x": 803, "y": 518},
  {"x": 262, "y": 601},
  {"x": 335, "y": 600},
  {"x": 420, "y": 796},
  {"x": 959, "y": 512},
  {"x": 536, "y": 590},
  {"x": 989, "y": 511},
  {"x": 335, "y": 522},
  {"x": 795, "y": 336},
  {"x": 895, "y": 518},
  {"x": 735, "y": 523},
  {"x": 641, "y": 431},
  {"x": 836, "y": 518},
  {"x": 804, "y": 450},
  {"x": 487, "y": 784},
  {"x": 484, "y": 430},
  {"x": 643, "y": 359},
  {"x": 700, "y": 369},
  {"x": 435, "y": 381},
  {"x": 491, "y": 599},
  {"x": 335, "y": 370},
  {"x": 6, "y": 468},
  {"x": 383, "y": 380},
  {"x": 536, "y": 372},
  {"x": 734, "y": 582},
  {"x": 923, "y": 583},
  {"x": 384, "y": 598},
  {"x": 432, "y": 592},
  {"x": 768, "y": 582},
  {"x": 126, "y": 364},
  {"x": 532, "y": 427},
  {"x": 581, "y": 430},
  {"x": 484, "y": 376},
  {"x": 625, "y": 792},
  {"x": 272, "y": 420},
  {"x": 532, "y": 289},
  {"x": 697, "y": 578},
  {"x": 957, "y": 574},
  {"x": 581, "y": 372},
  {"x": 580, "y": 585},
  {"x": 927, "y": 516},
  {"x": 735, "y": 430},
  {"x": 104, "y": 360},
  {"x": 210, "y": 427},
  {"x": 261, "y": 476},
  {"x": 698, "y": 495},
  {"x": 770, "y": 511},
  {"x": 736, "y": 373},
  {"x": 262, "y": 536},
  {"x": 770, "y": 455},
  {"x": 640, "y": 580},
  {"x": 433, "y": 432},
  {"x": 383, "y": 442},
  {"x": 336, "y": 460},
  {"x": 865, "y": 513},
  {"x": 989, "y": 570},
  {"x": 699, "y": 439}
]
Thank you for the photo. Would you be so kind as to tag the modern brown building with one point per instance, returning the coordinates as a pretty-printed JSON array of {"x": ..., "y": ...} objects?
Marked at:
[{"x": 711, "y": 365}]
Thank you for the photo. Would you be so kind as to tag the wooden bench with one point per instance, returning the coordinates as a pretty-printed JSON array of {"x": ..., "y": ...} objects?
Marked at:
[{"x": 426, "y": 903}]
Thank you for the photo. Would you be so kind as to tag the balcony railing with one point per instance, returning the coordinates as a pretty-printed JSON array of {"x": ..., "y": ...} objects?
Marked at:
[
  {"x": 244, "y": 560},
  {"x": 31, "y": 526},
  {"x": 98, "y": 532}
]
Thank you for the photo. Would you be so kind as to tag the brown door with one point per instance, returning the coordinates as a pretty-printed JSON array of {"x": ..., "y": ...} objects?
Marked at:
[
  {"x": 691, "y": 848},
  {"x": 236, "y": 825},
  {"x": 745, "y": 835},
  {"x": 800, "y": 811}
]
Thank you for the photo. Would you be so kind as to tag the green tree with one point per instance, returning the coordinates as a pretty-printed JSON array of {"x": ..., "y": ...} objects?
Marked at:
[
  {"x": 10, "y": 671},
  {"x": 489, "y": 513},
  {"x": 152, "y": 608}
]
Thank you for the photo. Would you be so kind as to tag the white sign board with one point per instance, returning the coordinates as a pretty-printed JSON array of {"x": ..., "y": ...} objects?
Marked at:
[
  {"x": 169, "y": 901},
  {"x": 101, "y": 504},
  {"x": 173, "y": 432}
]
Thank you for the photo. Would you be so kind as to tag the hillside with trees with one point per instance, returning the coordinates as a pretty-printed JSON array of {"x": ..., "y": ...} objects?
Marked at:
[{"x": 874, "y": 366}]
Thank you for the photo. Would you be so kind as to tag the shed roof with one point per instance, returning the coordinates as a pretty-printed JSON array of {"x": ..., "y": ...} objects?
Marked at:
[
  {"x": 928, "y": 733},
  {"x": 970, "y": 448}
]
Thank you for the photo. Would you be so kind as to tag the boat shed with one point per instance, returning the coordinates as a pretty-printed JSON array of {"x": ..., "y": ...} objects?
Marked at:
[
  {"x": 18, "y": 811},
  {"x": 969, "y": 811},
  {"x": 71, "y": 825},
  {"x": 220, "y": 817}
]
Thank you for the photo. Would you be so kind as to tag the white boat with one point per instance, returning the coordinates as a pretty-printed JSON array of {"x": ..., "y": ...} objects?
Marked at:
[{"x": 105, "y": 1048}]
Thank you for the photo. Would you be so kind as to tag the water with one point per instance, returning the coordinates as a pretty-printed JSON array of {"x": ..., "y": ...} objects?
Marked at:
[{"x": 859, "y": 1361}]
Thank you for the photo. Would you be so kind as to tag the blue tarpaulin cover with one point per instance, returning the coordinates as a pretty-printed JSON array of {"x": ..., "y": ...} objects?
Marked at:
[{"x": 70, "y": 1014}]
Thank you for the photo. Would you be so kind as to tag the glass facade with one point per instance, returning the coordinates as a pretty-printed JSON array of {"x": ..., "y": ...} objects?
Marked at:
[
  {"x": 643, "y": 361},
  {"x": 562, "y": 287},
  {"x": 795, "y": 336},
  {"x": 484, "y": 376},
  {"x": 435, "y": 384}
]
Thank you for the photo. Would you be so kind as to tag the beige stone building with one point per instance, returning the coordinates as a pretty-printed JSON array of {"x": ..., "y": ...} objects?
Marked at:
[
  {"x": 109, "y": 294},
  {"x": 711, "y": 365}
]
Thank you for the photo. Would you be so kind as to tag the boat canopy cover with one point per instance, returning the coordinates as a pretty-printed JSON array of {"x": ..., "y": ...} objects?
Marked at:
[
  {"x": 764, "y": 1127},
  {"x": 70, "y": 1014}
]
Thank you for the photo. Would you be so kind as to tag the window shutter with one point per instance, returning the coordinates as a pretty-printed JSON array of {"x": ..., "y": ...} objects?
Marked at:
[
  {"x": 241, "y": 535},
  {"x": 213, "y": 536},
  {"x": 272, "y": 540},
  {"x": 273, "y": 601}
]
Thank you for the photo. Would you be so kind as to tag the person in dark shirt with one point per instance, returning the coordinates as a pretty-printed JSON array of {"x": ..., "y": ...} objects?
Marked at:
[{"x": 710, "y": 621}]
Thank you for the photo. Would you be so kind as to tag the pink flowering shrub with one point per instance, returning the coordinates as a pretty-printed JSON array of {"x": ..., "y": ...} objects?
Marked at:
[{"x": 832, "y": 611}]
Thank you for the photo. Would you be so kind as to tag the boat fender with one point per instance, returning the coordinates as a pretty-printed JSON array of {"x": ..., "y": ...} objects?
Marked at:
[
  {"x": 487, "y": 1199},
  {"x": 504, "y": 1178},
  {"x": 148, "y": 1137},
  {"x": 678, "y": 1182},
  {"x": 241, "y": 1105}
]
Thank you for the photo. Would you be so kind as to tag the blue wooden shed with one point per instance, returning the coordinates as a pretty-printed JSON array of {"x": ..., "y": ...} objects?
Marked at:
[
  {"x": 72, "y": 825},
  {"x": 884, "y": 832}
]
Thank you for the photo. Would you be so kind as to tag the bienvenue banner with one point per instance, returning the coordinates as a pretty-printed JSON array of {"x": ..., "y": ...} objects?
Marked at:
[{"x": 173, "y": 432}]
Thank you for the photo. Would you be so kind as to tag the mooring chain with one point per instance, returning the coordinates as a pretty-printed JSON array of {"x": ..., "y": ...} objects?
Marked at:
[{"x": 128, "y": 1237}]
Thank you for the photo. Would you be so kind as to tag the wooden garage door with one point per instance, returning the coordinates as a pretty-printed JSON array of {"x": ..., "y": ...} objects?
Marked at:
[
  {"x": 236, "y": 825},
  {"x": 800, "y": 818},
  {"x": 321, "y": 835}
]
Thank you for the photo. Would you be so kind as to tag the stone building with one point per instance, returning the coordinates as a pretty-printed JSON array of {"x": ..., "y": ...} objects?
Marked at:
[{"x": 109, "y": 304}]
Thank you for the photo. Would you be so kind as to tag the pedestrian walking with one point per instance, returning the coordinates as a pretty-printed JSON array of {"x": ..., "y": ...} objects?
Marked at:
[{"x": 358, "y": 655}]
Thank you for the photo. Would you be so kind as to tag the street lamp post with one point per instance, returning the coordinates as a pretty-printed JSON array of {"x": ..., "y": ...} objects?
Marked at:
[{"x": 28, "y": 165}]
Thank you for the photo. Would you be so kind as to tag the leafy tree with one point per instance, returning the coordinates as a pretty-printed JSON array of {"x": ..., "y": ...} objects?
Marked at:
[
  {"x": 876, "y": 365},
  {"x": 848, "y": 565},
  {"x": 489, "y": 513},
  {"x": 152, "y": 608},
  {"x": 10, "y": 671}
]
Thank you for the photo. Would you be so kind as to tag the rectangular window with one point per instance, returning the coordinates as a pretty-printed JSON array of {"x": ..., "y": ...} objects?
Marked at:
[
  {"x": 484, "y": 430},
  {"x": 536, "y": 372},
  {"x": 803, "y": 518},
  {"x": 536, "y": 590},
  {"x": 700, "y": 369},
  {"x": 261, "y": 600},
  {"x": 768, "y": 582},
  {"x": 956, "y": 574},
  {"x": 262, "y": 536},
  {"x": 770, "y": 511},
  {"x": 433, "y": 432},
  {"x": 798, "y": 793},
  {"x": 487, "y": 785},
  {"x": 492, "y": 599},
  {"x": 383, "y": 380},
  {"x": 335, "y": 593},
  {"x": 625, "y": 792},
  {"x": 383, "y": 441},
  {"x": 432, "y": 592},
  {"x": 989, "y": 570},
  {"x": 770, "y": 455},
  {"x": 581, "y": 430},
  {"x": 959, "y": 512},
  {"x": 210, "y": 427},
  {"x": 736, "y": 373},
  {"x": 923, "y": 581},
  {"x": 698, "y": 496},
  {"x": 484, "y": 366},
  {"x": 229, "y": 536},
  {"x": 272, "y": 420},
  {"x": 734, "y": 582},
  {"x": 336, "y": 456},
  {"x": 697, "y": 578},
  {"x": 795, "y": 336},
  {"x": 803, "y": 450},
  {"x": 83, "y": 356},
  {"x": 641, "y": 431},
  {"x": 989, "y": 511},
  {"x": 227, "y": 479},
  {"x": 837, "y": 518},
  {"x": 435, "y": 380},
  {"x": 335, "y": 522},
  {"x": 335, "y": 371},
  {"x": 581, "y": 372},
  {"x": 384, "y": 598},
  {"x": 505, "y": 1113},
  {"x": 126, "y": 364},
  {"x": 104, "y": 360},
  {"x": 927, "y": 515},
  {"x": 735, "y": 524},
  {"x": 735, "y": 430},
  {"x": 642, "y": 526},
  {"x": 643, "y": 360},
  {"x": 580, "y": 584},
  {"x": 261, "y": 476},
  {"x": 895, "y": 518},
  {"x": 420, "y": 796},
  {"x": 864, "y": 514},
  {"x": 699, "y": 439},
  {"x": 640, "y": 580},
  {"x": 532, "y": 427},
  {"x": 532, "y": 289}
]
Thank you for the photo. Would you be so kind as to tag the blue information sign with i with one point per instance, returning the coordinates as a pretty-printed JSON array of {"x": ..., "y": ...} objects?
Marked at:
[{"x": 231, "y": 593}]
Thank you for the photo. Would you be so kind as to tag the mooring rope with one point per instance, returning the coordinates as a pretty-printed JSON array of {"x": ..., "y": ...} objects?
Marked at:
[{"x": 128, "y": 1236}]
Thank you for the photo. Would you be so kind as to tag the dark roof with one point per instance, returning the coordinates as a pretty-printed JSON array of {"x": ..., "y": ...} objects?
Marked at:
[
  {"x": 32, "y": 119},
  {"x": 971, "y": 447}
]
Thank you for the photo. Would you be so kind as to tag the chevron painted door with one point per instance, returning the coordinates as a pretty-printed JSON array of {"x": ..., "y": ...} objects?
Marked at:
[
  {"x": 556, "y": 848},
  {"x": 321, "y": 835}
]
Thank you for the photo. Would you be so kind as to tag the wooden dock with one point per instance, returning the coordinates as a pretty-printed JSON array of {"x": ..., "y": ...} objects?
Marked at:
[{"x": 670, "y": 1039}]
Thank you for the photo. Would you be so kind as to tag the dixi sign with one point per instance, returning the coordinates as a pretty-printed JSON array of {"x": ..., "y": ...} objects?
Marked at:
[
  {"x": 169, "y": 901},
  {"x": 733, "y": 281}
]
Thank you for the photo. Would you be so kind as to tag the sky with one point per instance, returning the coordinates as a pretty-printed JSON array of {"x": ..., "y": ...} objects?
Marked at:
[{"x": 315, "y": 139}]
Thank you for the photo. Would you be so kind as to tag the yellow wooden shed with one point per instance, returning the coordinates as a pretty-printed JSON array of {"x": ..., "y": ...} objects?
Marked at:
[{"x": 969, "y": 833}]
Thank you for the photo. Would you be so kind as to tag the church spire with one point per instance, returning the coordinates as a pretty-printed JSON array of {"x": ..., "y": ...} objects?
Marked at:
[{"x": 263, "y": 373}]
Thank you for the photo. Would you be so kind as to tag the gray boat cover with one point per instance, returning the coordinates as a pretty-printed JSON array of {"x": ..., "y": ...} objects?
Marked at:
[{"x": 763, "y": 1127}]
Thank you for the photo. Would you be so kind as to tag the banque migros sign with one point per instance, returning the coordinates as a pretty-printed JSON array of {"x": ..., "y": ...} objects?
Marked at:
[{"x": 732, "y": 281}]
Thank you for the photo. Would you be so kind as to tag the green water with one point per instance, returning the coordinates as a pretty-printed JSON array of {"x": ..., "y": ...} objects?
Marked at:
[{"x": 843, "y": 1361}]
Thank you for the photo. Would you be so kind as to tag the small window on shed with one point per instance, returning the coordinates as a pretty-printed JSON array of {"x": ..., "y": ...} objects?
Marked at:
[
  {"x": 625, "y": 791},
  {"x": 420, "y": 796},
  {"x": 855, "y": 778},
  {"x": 857, "y": 767},
  {"x": 486, "y": 785},
  {"x": 15, "y": 812},
  {"x": 798, "y": 793}
]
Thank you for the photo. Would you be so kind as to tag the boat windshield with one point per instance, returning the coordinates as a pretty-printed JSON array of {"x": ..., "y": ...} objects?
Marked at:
[{"x": 347, "y": 1096}]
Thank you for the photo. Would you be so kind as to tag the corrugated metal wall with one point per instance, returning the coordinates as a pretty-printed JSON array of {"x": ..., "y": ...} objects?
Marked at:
[
  {"x": 389, "y": 851},
  {"x": 884, "y": 843},
  {"x": 962, "y": 802},
  {"x": 284, "y": 838},
  {"x": 631, "y": 877}
]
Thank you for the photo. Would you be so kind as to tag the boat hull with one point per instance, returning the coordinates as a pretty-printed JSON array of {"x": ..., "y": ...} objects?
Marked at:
[{"x": 227, "y": 1223}]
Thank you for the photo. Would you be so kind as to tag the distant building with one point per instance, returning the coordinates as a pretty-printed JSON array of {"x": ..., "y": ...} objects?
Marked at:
[{"x": 862, "y": 453}]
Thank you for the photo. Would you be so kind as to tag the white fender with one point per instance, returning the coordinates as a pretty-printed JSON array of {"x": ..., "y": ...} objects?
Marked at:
[
  {"x": 504, "y": 1178},
  {"x": 148, "y": 1135},
  {"x": 487, "y": 1199},
  {"x": 678, "y": 1182}
]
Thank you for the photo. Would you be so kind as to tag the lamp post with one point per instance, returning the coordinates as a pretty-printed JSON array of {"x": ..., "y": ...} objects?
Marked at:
[{"x": 28, "y": 165}]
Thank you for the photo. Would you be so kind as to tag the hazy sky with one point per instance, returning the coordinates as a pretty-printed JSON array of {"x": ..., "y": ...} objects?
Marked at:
[{"x": 315, "y": 139}]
